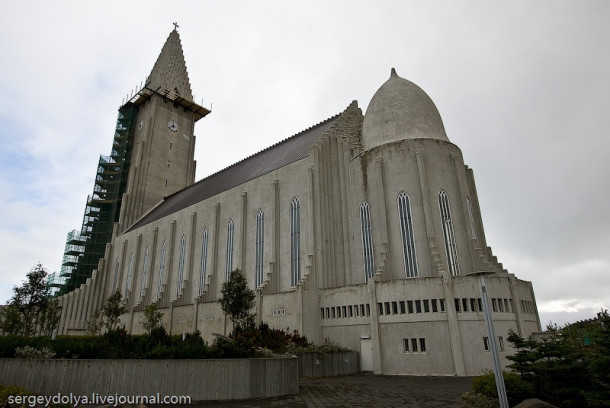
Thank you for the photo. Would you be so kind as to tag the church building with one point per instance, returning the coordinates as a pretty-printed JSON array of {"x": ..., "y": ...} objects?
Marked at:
[{"x": 364, "y": 230}]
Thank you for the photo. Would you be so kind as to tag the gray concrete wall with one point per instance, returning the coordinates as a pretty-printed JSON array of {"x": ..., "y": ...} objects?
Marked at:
[
  {"x": 325, "y": 365},
  {"x": 199, "y": 379}
]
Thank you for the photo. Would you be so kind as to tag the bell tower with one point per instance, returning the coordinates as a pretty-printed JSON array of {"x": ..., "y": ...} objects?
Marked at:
[{"x": 161, "y": 158}]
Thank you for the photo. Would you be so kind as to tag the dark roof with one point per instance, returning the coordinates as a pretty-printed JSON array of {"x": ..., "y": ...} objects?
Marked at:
[{"x": 279, "y": 155}]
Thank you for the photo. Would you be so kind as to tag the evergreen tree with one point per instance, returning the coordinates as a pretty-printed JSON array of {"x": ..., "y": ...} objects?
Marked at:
[{"x": 599, "y": 360}]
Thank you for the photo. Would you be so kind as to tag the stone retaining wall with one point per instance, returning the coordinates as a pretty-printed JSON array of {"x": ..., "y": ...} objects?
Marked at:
[
  {"x": 326, "y": 365},
  {"x": 200, "y": 379}
]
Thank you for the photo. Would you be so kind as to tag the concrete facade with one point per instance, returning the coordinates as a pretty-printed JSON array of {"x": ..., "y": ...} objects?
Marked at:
[{"x": 389, "y": 227}]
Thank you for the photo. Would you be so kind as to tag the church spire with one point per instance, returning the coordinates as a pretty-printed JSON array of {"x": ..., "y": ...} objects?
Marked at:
[{"x": 169, "y": 72}]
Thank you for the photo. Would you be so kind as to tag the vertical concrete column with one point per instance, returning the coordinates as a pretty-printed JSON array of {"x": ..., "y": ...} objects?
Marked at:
[
  {"x": 452, "y": 322},
  {"x": 516, "y": 301},
  {"x": 82, "y": 302},
  {"x": 314, "y": 221},
  {"x": 343, "y": 158},
  {"x": 462, "y": 188},
  {"x": 274, "y": 283},
  {"x": 190, "y": 170},
  {"x": 96, "y": 277},
  {"x": 213, "y": 286},
  {"x": 381, "y": 240},
  {"x": 337, "y": 252},
  {"x": 170, "y": 268},
  {"x": 189, "y": 276},
  {"x": 531, "y": 288},
  {"x": 97, "y": 287},
  {"x": 375, "y": 327},
  {"x": 73, "y": 297},
  {"x": 271, "y": 277},
  {"x": 433, "y": 253},
  {"x": 324, "y": 197},
  {"x": 151, "y": 271},
  {"x": 122, "y": 267},
  {"x": 243, "y": 232},
  {"x": 129, "y": 296},
  {"x": 63, "y": 301}
]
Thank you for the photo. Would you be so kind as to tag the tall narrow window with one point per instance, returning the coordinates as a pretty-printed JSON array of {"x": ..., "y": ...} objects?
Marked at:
[
  {"x": 450, "y": 248},
  {"x": 473, "y": 230},
  {"x": 406, "y": 233},
  {"x": 115, "y": 280},
  {"x": 367, "y": 241},
  {"x": 180, "y": 282},
  {"x": 129, "y": 274},
  {"x": 144, "y": 274},
  {"x": 229, "y": 261},
  {"x": 295, "y": 241},
  {"x": 161, "y": 271},
  {"x": 204, "y": 260},
  {"x": 260, "y": 234}
]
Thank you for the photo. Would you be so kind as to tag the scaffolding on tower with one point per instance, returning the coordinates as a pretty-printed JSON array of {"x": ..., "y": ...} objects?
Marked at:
[{"x": 85, "y": 248}]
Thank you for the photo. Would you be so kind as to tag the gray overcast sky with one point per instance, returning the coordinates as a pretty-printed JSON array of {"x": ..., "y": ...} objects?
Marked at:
[{"x": 523, "y": 89}]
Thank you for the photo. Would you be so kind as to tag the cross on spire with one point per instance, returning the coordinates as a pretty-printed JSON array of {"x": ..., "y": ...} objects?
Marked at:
[{"x": 176, "y": 26}]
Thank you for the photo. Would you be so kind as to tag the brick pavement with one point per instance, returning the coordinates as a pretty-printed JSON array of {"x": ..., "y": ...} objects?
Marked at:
[{"x": 364, "y": 390}]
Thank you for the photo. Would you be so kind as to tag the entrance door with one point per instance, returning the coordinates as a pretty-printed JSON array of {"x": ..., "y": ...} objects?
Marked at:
[{"x": 366, "y": 354}]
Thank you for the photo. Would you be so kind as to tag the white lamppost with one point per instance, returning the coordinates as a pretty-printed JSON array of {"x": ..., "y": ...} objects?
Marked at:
[{"x": 493, "y": 344}]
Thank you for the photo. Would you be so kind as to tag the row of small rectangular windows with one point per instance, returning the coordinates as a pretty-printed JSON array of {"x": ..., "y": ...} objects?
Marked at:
[
  {"x": 500, "y": 343},
  {"x": 279, "y": 312},
  {"x": 414, "y": 345},
  {"x": 338, "y": 312},
  {"x": 476, "y": 305},
  {"x": 418, "y": 345},
  {"x": 411, "y": 306},
  {"x": 527, "y": 306}
]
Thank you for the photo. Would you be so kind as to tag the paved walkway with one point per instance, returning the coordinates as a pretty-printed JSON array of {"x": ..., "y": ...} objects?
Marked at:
[{"x": 365, "y": 390}]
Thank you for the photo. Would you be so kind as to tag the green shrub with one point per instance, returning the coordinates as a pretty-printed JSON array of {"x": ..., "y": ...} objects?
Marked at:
[
  {"x": 33, "y": 352},
  {"x": 11, "y": 390},
  {"x": 517, "y": 389},
  {"x": 480, "y": 400}
]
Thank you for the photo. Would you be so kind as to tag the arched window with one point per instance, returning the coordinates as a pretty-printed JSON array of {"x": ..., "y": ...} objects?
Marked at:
[
  {"x": 295, "y": 242},
  {"x": 406, "y": 233},
  {"x": 129, "y": 274},
  {"x": 260, "y": 236},
  {"x": 180, "y": 281},
  {"x": 473, "y": 230},
  {"x": 367, "y": 241},
  {"x": 115, "y": 279},
  {"x": 144, "y": 274},
  {"x": 161, "y": 270},
  {"x": 450, "y": 248},
  {"x": 229, "y": 262},
  {"x": 204, "y": 260}
]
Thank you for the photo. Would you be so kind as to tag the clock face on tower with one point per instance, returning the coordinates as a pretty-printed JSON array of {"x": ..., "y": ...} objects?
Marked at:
[{"x": 172, "y": 125}]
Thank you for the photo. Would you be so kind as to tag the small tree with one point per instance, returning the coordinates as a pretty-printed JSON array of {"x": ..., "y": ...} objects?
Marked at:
[
  {"x": 236, "y": 298},
  {"x": 113, "y": 309},
  {"x": 49, "y": 319},
  {"x": 153, "y": 319},
  {"x": 30, "y": 299},
  {"x": 10, "y": 320},
  {"x": 95, "y": 324}
]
